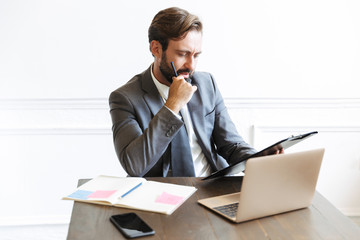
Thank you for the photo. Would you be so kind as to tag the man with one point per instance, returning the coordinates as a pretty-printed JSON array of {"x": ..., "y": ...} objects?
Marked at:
[{"x": 151, "y": 112}]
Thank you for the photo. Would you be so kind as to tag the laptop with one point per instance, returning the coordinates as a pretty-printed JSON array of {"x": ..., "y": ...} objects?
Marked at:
[{"x": 272, "y": 184}]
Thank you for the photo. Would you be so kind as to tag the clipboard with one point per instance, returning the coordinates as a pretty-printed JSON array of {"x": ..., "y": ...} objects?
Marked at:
[{"x": 283, "y": 144}]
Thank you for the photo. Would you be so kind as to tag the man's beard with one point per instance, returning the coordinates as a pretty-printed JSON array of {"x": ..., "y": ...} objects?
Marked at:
[{"x": 168, "y": 72}]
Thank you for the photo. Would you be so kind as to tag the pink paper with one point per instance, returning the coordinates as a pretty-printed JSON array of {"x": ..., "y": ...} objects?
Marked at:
[
  {"x": 101, "y": 194},
  {"x": 169, "y": 199}
]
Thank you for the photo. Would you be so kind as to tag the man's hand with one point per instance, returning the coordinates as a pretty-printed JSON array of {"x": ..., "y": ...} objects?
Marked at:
[
  {"x": 281, "y": 151},
  {"x": 180, "y": 93}
]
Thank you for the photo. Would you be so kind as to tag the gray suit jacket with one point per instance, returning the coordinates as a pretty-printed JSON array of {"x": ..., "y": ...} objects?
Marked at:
[{"x": 143, "y": 127}]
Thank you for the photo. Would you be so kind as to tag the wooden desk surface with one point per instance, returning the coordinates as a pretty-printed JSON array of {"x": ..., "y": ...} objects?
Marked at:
[{"x": 192, "y": 221}]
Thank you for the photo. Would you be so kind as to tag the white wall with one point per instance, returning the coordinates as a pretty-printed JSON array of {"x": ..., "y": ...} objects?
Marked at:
[{"x": 283, "y": 67}]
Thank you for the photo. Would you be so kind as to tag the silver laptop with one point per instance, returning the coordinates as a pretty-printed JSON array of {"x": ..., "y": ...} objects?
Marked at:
[{"x": 271, "y": 185}]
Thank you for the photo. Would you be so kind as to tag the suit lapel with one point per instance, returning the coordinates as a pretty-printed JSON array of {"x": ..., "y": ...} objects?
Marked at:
[
  {"x": 151, "y": 96},
  {"x": 155, "y": 103}
]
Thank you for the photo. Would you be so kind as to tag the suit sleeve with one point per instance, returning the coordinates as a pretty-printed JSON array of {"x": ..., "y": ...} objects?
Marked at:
[
  {"x": 230, "y": 145},
  {"x": 140, "y": 140}
]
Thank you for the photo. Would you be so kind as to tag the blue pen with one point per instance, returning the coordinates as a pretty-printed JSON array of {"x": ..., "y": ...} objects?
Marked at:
[
  {"x": 131, "y": 190},
  {"x": 176, "y": 74},
  {"x": 173, "y": 66}
]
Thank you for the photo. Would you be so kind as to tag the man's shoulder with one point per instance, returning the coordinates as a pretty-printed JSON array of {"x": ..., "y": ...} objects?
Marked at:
[
  {"x": 202, "y": 75},
  {"x": 133, "y": 85},
  {"x": 205, "y": 81}
]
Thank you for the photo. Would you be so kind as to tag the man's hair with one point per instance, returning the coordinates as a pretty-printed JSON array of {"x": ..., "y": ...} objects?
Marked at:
[{"x": 172, "y": 24}]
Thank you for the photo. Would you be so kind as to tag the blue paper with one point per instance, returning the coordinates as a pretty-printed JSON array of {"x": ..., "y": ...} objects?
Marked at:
[{"x": 80, "y": 194}]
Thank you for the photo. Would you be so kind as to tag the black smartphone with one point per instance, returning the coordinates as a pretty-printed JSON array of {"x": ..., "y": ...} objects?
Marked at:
[{"x": 131, "y": 225}]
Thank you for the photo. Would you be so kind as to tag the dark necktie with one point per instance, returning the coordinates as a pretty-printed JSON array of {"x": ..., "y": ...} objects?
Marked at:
[{"x": 181, "y": 160}]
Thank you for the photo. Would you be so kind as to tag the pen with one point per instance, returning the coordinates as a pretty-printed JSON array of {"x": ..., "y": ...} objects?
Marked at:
[
  {"x": 131, "y": 190},
  {"x": 173, "y": 67},
  {"x": 176, "y": 74}
]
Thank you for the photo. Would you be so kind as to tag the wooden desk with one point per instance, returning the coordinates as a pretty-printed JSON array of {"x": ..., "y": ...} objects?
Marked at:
[{"x": 192, "y": 221}]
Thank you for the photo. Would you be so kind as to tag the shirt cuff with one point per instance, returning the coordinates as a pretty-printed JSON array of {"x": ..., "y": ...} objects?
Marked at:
[{"x": 176, "y": 115}]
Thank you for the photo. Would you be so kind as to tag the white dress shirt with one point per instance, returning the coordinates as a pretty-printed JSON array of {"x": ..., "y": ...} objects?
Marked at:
[{"x": 202, "y": 167}]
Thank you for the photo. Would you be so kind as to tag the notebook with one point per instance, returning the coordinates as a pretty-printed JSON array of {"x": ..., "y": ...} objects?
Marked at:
[{"x": 272, "y": 184}]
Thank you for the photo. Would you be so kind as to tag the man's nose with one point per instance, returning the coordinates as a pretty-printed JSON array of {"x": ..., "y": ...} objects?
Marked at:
[{"x": 190, "y": 63}]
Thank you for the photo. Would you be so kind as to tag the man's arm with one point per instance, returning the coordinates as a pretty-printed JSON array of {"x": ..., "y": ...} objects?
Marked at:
[
  {"x": 139, "y": 140},
  {"x": 230, "y": 144}
]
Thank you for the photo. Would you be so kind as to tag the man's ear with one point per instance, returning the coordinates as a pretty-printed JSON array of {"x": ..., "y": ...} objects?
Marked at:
[{"x": 156, "y": 48}]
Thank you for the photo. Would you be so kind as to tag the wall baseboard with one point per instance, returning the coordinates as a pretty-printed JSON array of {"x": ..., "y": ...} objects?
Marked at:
[
  {"x": 53, "y": 103},
  {"x": 269, "y": 129},
  {"x": 279, "y": 103},
  {"x": 350, "y": 212},
  {"x": 34, "y": 220},
  {"x": 102, "y": 103},
  {"x": 56, "y": 131},
  {"x": 90, "y": 116}
]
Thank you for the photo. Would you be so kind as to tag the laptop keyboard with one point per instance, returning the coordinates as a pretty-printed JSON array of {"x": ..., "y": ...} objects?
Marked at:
[{"x": 228, "y": 210}]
